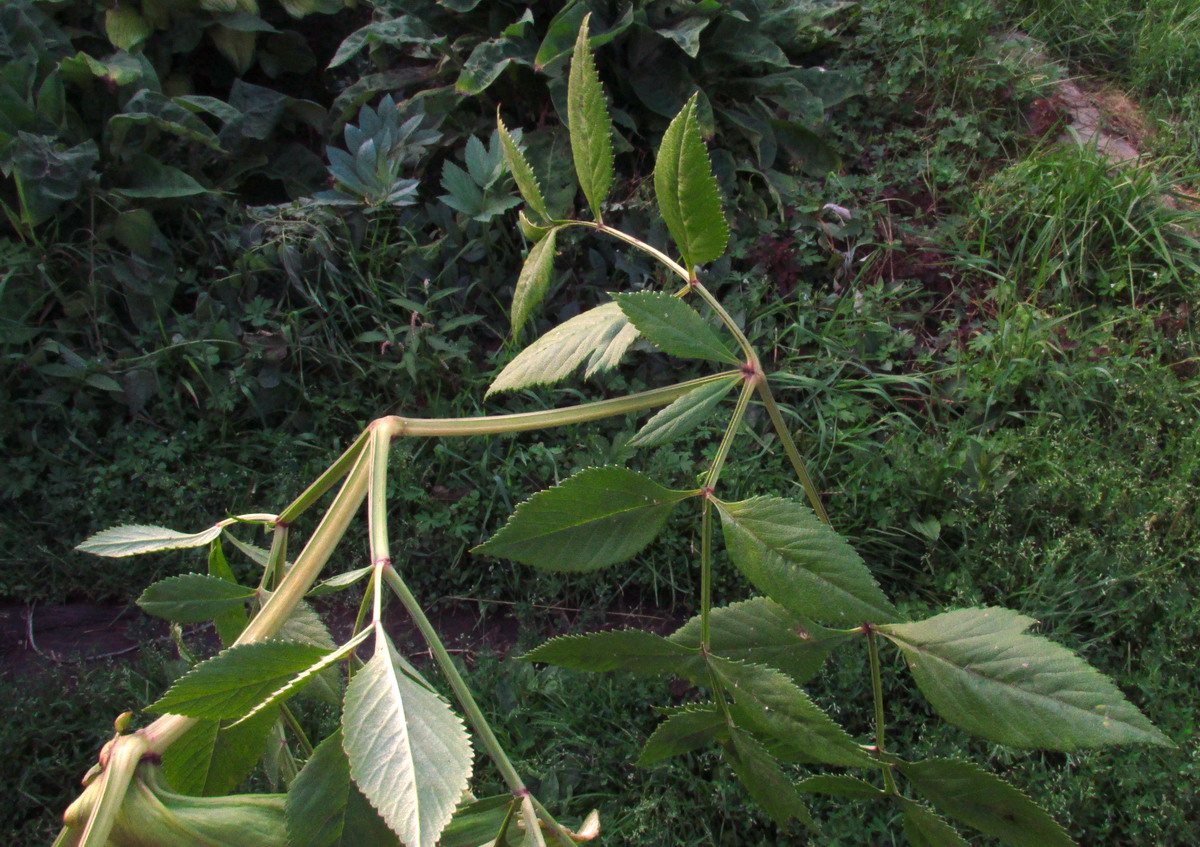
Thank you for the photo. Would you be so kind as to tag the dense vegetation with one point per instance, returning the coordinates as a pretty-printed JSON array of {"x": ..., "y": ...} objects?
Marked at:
[{"x": 227, "y": 250}]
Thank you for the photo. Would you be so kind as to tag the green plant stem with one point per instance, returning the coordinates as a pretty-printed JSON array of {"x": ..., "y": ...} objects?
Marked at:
[
  {"x": 739, "y": 412},
  {"x": 123, "y": 758},
  {"x": 325, "y": 481},
  {"x": 289, "y": 717},
  {"x": 789, "y": 447},
  {"x": 675, "y": 267},
  {"x": 727, "y": 319},
  {"x": 889, "y": 781},
  {"x": 524, "y": 421},
  {"x": 706, "y": 575},
  {"x": 277, "y": 558}
]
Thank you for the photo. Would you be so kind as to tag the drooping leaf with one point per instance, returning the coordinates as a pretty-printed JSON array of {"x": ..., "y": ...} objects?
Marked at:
[
  {"x": 688, "y": 729},
  {"x": 683, "y": 415},
  {"x": 314, "y": 675},
  {"x": 767, "y": 702},
  {"x": 598, "y": 338},
  {"x": 765, "y": 780},
  {"x": 840, "y": 785},
  {"x": 234, "y": 681},
  {"x": 133, "y": 540},
  {"x": 589, "y": 125},
  {"x": 800, "y": 563},
  {"x": 923, "y": 828},
  {"x": 596, "y": 518},
  {"x": 325, "y": 808},
  {"x": 409, "y": 753},
  {"x": 761, "y": 632},
  {"x": 687, "y": 192},
  {"x": 212, "y": 757},
  {"x": 981, "y": 671},
  {"x": 522, "y": 172},
  {"x": 398, "y": 32},
  {"x": 151, "y": 179},
  {"x": 627, "y": 650},
  {"x": 193, "y": 597},
  {"x": 673, "y": 326},
  {"x": 534, "y": 279},
  {"x": 969, "y": 794}
]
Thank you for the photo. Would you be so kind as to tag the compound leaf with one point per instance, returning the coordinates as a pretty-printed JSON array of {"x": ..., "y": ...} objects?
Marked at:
[
  {"x": 687, "y": 192},
  {"x": 673, "y": 326},
  {"x": 589, "y": 125},
  {"x": 598, "y": 517},
  {"x": 981, "y": 671},
  {"x": 522, "y": 172}
]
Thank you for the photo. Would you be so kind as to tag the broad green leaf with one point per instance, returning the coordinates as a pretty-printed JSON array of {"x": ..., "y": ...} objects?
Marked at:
[
  {"x": 598, "y": 337},
  {"x": 923, "y": 828},
  {"x": 133, "y": 540},
  {"x": 691, "y": 728},
  {"x": 761, "y": 632},
  {"x": 598, "y": 517},
  {"x": 683, "y": 415},
  {"x": 765, "y": 780},
  {"x": 212, "y": 757},
  {"x": 969, "y": 794},
  {"x": 193, "y": 597},
  {"x": 325, "y": 808},
  {"x": 305, "y": 626},
  {"x": 232, "y": 621},
  {"x": 625, "y": 650},
  {"x": 687, "y": 192},
  {"x": 534, "y": 280},
  {"x": 234, "y": 681},
  {"x": 589, "y": 125},
  {"x": 487, "y": 61},
  {"x": 125, "y": 27},
  {"x": 153, "y": 180},
  {"x": 800, "y": 563},
  {"x": 673, "y": 326},
  {"x": 839, "y": 785},
  {"x": 409, "y": 753},
  {"x": 522, "y": 172},
  {"x": 477, "y": 823},
  {"x": 983, "y": 673},
  {"x": 314, "y": 674},
  {"x": 767, "y": 702}
]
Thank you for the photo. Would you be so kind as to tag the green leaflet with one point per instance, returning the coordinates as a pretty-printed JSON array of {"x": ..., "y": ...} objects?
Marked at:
[
  {"x": 923, "y": 828},
  {"x": 324, "y": 807},
  {"x": 193, "y": 597},
  {"x": 688, "y": 729},
  {"x": 589, "y": 125},
  {"x": 213, "y": 757},
  {"x": 134, "y": 540},
  {"x": 598, "y": 337},
  {"x": 800, "y": 563},
  {"x": 673, "y": 326},
  {"x": 767, "y": 702},
  {"x": 982, "y": 672},
  {"x": 598, "y": 517},
  {"x": 839, "y": 785},
  {"x": 683, "y": 415},
  {"x": 232, "y": 621},
  {"x": 314, "y": 674},
  {"x": 232, "y": 683},
  {"x": 687, "y": 192},
  {"x": 534, "y": 279},
  {"x": 126, "y": 28},
  {"x": 409, "y": 753},
  {"x": 761, "y": 632},
  {"x": 522, "y": 172},
  {"x": 765, "y": 780},
  {"x": 968, "y": 793},
  {"x": 478, "y": 822},
  {"x": 627, "y": 650}
]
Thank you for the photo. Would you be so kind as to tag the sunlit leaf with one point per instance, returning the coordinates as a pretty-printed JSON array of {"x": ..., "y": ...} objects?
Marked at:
[
  {"x": 522, "y": 172},
  {"x": 685, "y": 414},
  {"x": 687, "y": 192},
  {"x": 133, "y": 540},
  {"x": 589, "y": 125},
  {"x": 673, "y": 326},
  {"x": 534, "y": 280}
]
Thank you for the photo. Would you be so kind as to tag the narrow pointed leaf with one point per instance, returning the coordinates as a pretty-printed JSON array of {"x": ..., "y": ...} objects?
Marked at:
[
  {"x": 687, "y": 192},
  {"x": 193, "y": 597},
  {"x": 532, "y": 232},
  {"x": 598, "y": 517},
  {"x": 589, "y": 125},
  {"x": 761, "y": 632},
  {"x": 534, "y": 280},
  {"x": 691, "y": 728},
  {"x": 983, "y": 673},
  {"x": 597, "y": 338},
  {"x": 800, "y": 563},
  {"x": 625, "y": 650},
  {"x": 765, "y": 780},
  {"x": 340, "y": 582},
  {"x": 212, "y": 757},
  {"x": 409, "y": 753},
  {"x": 234, "y": 681},
  {"x": 685, "y": 414},
  {"x": 839, "y": 785},
  {"x": 522, "y": 172},
  {"x": 135, "y": 540},
  {"x": 325, "y": 808},
  {"x": 923, "y": 828},
  {"x": 767, "y": 702},
  {"x": 969, "y": 794},
  {"x": 674, "y": 327}
]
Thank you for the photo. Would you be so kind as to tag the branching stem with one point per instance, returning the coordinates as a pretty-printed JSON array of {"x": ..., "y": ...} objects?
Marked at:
[{"x": 889, "y": 781}]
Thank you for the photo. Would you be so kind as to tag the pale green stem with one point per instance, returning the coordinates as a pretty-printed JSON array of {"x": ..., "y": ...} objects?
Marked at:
[
  {"x": 889, "y": 781},
  {"x": 675, "y": 267},
  {"x": 706, "y": 574},
  {"x": 751, "y": 357},
  {"x": 123, "y": 758},
  {"x": 325, "y": 481},
  {"x": 273, "y": 573},
  {"x": 739, "y": 412},
  {"x": 789, "y": 447}
]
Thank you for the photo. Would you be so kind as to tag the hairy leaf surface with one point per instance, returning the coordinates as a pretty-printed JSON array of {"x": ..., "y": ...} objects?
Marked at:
[
  {"x": 687, "y": 192},
  {"x": 673, "y": 326},
  {"x": 136, "y": 539}
]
